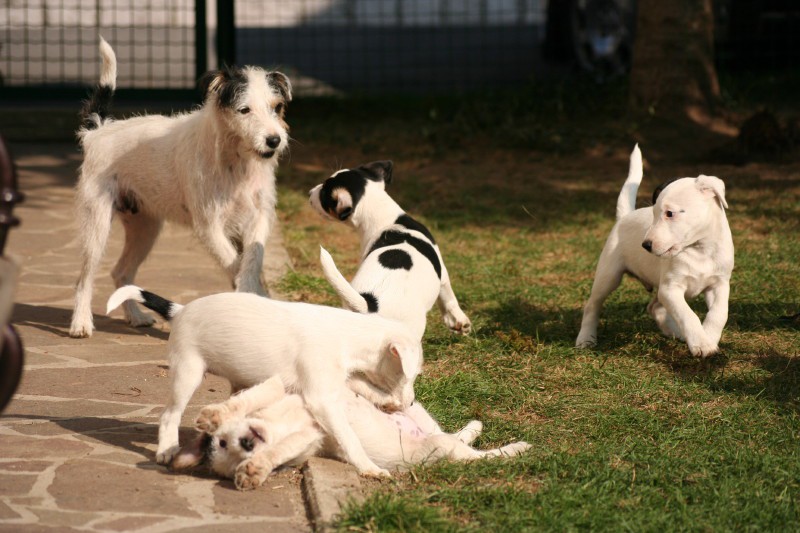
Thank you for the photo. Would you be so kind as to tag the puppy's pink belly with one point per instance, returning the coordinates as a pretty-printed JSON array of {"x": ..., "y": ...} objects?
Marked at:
[{"x": 406, "y": 426}]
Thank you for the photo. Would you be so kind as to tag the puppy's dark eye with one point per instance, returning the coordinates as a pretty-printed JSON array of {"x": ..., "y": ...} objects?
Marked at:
[
  {"x": 223, "y": 443},
  {"x": 244, "y": 110},
  {"x": 279, "y": 109},
  {"x": 670, "y": 214}
]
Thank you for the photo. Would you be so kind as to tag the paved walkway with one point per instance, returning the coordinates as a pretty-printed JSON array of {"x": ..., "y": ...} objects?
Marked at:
[{"x": 77, "y": 444}]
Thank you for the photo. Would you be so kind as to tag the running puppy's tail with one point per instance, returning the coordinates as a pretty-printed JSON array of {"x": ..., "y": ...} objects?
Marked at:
[
  {"x": 96, "y": 109},
  {"x": 168, "y": 310},
  {"x": 626, "y": 203},
  {"x": 350, "y": 297}
]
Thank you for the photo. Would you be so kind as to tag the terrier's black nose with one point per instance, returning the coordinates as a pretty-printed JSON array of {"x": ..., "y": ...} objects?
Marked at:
[
  {"x": 648, "y": 245},
  {"x": 246, "y": 444},
  {"x": 273, "y": 141}
]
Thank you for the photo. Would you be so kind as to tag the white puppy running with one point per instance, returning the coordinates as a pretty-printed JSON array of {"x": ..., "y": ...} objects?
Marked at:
[
  {"x": 314, "y": 349},
  {"x": 681, "y": 247},
  {"x": 402, "y": 272},
  {"x": 212, "y": 169},
  {"x": 260, "y": 429}
]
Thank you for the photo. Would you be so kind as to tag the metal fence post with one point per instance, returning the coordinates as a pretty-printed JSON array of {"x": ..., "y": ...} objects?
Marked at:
[
  {"x": 226, "y": 33},
  {"x": 200, "y": 39}
]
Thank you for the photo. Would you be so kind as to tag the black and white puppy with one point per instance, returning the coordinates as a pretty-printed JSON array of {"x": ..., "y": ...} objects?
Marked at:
[{"x": 402, "y": 273}]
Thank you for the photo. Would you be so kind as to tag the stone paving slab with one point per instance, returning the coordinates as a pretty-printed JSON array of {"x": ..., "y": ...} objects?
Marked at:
[{"x": 77, "y": 443}]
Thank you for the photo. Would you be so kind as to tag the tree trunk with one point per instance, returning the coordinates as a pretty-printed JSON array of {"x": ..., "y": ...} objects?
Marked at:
[{"x": 673, "y": 71}]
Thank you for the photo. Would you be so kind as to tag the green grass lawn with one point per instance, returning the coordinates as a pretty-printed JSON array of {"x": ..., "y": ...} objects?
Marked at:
[{"x": 634, "y": 435}]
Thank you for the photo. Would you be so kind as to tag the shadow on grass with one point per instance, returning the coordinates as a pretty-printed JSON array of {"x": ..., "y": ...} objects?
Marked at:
[{"x": 779, "y": 381}]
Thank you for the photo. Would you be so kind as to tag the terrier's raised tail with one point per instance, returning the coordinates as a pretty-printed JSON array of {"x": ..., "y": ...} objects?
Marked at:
[
  {"x": 626, "y": 203},
  {"x": 96, "y": 109}
]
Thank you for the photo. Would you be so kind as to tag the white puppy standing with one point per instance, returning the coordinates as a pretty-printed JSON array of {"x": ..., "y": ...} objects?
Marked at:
[
  {"x": 682, "y": 247},
  {"x": 260, "y": 429},
  {"x": 402, "y": 273},
  {"x": 212, "y": 169},
  {"x": 314, "y": 349}
]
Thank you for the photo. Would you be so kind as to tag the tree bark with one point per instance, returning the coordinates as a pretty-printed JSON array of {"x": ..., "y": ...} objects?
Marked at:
[{"x": 673, "y": 71}]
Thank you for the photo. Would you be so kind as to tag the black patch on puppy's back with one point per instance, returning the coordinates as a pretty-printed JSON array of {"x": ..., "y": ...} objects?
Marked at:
[
  {"x": 406, "y": 221},
  {"x": 394, "y": 237},
  {"x": 395, "y": 259},
  {"x": 372, "y": 301}
]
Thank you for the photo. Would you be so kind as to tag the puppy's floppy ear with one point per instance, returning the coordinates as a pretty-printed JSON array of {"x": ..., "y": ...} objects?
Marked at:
[
  {"x": 344, "y": 203},
  {"x": 192, "y": 454},
  {"x": 406, "y": 356},
  {"x": 211, "y": 82},
  {"x": 712, "y": 186},
  {"x": 381, "y": 170},
  {"x": 280, "y": 81}
]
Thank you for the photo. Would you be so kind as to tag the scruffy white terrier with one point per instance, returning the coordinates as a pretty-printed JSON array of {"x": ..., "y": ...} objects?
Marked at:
[
  {"x": 212, "y": 169},
  {"x": 262, "y": 428},
  {"x": 402, "y": 272},
  {"x": 681, "y": 247}
]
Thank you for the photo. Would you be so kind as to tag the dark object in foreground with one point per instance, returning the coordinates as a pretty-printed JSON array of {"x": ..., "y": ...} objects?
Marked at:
[
  {"x": 791, "y": 318},
  {"x": 11, "y": 353}
]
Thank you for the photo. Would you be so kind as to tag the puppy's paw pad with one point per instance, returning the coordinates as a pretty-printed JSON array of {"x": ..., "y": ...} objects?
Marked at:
[
  {"x": 250, "y": 475},
  {"x": 210, "y": 418}
]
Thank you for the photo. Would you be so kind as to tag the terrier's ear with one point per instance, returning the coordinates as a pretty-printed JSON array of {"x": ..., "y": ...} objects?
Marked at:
[
  {"x": 379, "y": 171},
  {"x": 211, "y": 82},
  {"x": 712, "y": 186},
  {"x": 406, "y": 357},
  {"x": 280, "y": 81},
  {"x": 344, "y": 203},
  {"x": 192, "y": 454}
]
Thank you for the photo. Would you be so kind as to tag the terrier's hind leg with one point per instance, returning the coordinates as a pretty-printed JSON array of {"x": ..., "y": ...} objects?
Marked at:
[
  {"x": 94, "y": 211},
  {"x": 186, "y": 372},
  {"x": 607, "y": 279},
  {"x": 141, "y": 232}
]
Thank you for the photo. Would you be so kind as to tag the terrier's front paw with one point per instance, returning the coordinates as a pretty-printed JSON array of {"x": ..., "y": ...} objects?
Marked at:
[
  {"x": 377, "y": 473},
  {"x": 586, "y": 340},
  {"x": 141, "y": 320},
  {"x": 164, "y": 457},
  {"x": 458, "y": 322},
  {"x": 80, "y": 331},
  {"x": 703, "y": 349},
  {"x": 250, "y": 475}
]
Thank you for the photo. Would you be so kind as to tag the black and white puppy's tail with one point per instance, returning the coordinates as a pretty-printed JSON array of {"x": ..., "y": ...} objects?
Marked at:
[
  {"x": 96, "y": 109},
  {"x": 351, "y": 298},
  {"x": 168, "y": 310}
]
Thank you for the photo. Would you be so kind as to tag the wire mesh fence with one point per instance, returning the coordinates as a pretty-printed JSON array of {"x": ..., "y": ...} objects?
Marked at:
[
  {"x": 393, "y": 45},
  {"x": 377, "y": 46},
  {"x": 54, "y": 42}
]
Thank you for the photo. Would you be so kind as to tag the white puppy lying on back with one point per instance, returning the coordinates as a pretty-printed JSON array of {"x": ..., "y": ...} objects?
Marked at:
[
  {"x": 682, "y": 247},
  {"x": 260, "y": 429},
  {"x": 314, "y": 349},
  {"x": 402, "y": 273}
]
